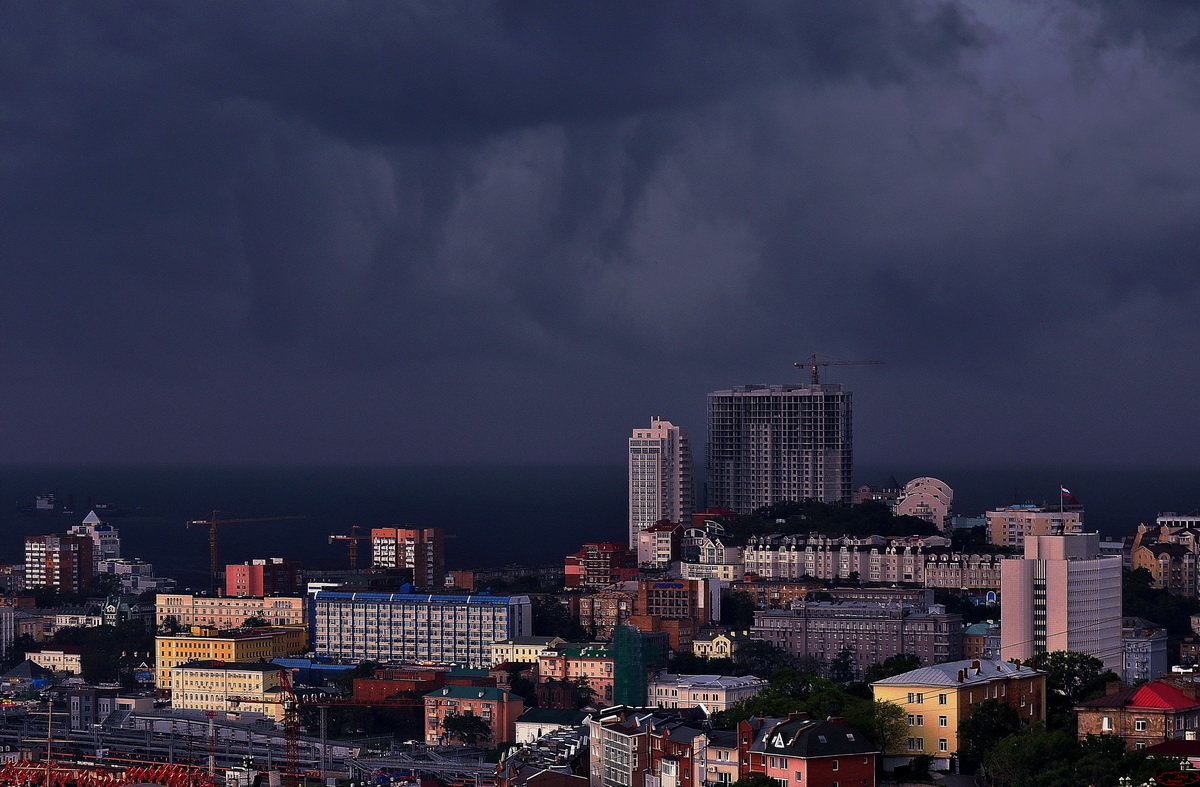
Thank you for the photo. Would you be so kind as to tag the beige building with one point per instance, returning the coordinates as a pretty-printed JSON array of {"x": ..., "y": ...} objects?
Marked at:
[
  {"x": 721, "y": 645},
  {"x": 228, "y": 686},
  {"x": 1008, "y": 526},
  {"x": 1062, "y": 596},
  {"x": 660, "y": 480},
  {"x": 711, "y": 692},
  {"x": 926, "y": 498},
  {"x": 58, "y": 659},
  {"x": 523, "y": 650},
  {"x": 206, "y": 644},
  {"x": 226, "y": 613}
]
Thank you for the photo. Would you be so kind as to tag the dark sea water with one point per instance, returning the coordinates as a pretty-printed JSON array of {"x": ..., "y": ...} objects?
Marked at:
[{"x": 497, "y": 515}]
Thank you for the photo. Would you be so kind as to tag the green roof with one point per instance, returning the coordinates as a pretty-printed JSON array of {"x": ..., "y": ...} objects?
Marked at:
[
  {"x": 464, "y": 672},
  {"x": 569, "y": 718},
  {"x": 490, "y": 693}
]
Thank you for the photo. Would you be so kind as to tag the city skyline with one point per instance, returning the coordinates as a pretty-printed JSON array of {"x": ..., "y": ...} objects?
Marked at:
[{"x": 326, "y": 233}]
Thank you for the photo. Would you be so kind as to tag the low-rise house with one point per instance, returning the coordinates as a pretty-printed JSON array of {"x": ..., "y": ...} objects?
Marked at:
[
  {"x": 803, "y": 751},
  {"x": 524, "y": 650},
  {"x": 1145, "y": 715},
  {"x": 498, "y": 709},
  {"x": 536, "y": 723},
  {"x": 718, "y": 644},
  {"x": 710, "y": 692},
  {"x": 937, "y": 698},
  {"x": 61, "y": 659}
]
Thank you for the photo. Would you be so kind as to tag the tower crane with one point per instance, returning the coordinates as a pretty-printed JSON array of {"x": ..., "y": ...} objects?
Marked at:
[
  {"x": 352, "y": 542},
  {"x": 812, "y": 364},
  {"x": 215, "y": 522}
]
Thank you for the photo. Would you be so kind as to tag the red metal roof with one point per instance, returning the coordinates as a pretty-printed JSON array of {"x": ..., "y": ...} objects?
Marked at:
[{"x": 1161, "y": 696}]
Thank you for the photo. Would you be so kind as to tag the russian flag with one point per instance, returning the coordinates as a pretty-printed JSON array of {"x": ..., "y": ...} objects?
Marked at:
[{"x": 1066, "y": 493}]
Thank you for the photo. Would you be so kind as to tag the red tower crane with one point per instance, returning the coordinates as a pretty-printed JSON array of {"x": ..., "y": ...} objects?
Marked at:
[
  {"x": 213, "y": 523},
  {"x": 812, "y": 364},
  {"x": 351, "y": 542}
]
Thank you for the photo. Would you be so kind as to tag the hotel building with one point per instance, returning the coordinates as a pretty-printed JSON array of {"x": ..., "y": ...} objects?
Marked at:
[
  {"x": 228, "y": 686},
  {"x": 206, "y": 644},
  {"x": 226, "y": 613}
]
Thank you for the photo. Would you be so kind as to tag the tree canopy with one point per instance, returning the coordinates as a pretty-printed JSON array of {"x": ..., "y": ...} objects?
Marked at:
[{"x": 832, "y": 519}]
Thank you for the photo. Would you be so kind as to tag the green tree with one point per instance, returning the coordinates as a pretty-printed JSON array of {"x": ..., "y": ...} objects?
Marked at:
[
  {"x": 466, "y": 728},
  {"x": 170, "y": 625},
  {"x": 104, "y": 584},
  {"x": 1070, "y": 678},
  {"x": 761, "y": 658},
  {"x": 989, "y": 723},
  {"x": 737, "y": 610},
  {"x": 892, "y": 665},
  {"x": 551, "y": 618},
  {"x": 883, "y": 722},
  {"x": 841, "y": 667},
  {"x": 254, "y": 621},
  {"x": 1034, "y": 757},
  {"x": 756, "y": 780}
]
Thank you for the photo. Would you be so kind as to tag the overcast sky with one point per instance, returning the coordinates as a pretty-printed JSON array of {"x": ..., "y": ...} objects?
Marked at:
[{"x": 476, "y": 232}]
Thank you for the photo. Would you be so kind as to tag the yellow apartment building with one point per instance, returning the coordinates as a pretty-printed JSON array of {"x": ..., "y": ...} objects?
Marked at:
[
  {"x": 209, "y": 644},
  {"x": 227, "y": 686},
  {"x": 522, "y": 649},
  {"x": 936, "y": 698}
]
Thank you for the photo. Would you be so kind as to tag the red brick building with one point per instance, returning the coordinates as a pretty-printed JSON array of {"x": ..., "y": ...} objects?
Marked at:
[
  {"x": 805, "y": 751},
  {"x": 600, "y": 565},
  {"x": 499, "y": 709},
  {"x": 1145, "y": 715},
  {"x": 263, "y": 577},
  {"x": 679, "y": 608}
]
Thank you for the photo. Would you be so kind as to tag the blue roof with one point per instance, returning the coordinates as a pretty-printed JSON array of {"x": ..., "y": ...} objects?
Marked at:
[{"x": 333, "y": 595}]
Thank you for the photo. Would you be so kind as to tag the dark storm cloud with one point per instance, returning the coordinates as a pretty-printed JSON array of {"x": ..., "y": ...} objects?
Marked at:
[{"x": 414, "y": 231}]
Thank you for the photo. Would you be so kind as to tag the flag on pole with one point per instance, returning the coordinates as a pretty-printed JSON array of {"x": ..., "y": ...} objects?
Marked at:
[{"x": 1067, "y": 496}]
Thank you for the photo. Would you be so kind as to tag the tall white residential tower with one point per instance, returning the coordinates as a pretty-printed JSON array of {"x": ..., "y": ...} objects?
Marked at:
[{"x": 660, "y": 476}]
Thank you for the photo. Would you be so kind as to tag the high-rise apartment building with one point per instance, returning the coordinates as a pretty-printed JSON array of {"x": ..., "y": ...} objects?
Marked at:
[
  {"x": 660, "y": 477},
  {"x": 62, "y": 562},
  {"x": 768, "y": 443},
  {"x": 421, "y": 549},
  {"x": 263, "y": 577},
  {"x": 1062, "y": 596}
]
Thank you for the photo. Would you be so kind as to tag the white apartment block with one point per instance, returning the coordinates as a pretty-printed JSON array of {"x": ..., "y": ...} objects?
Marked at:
[
  {"x": 432, "y": 629},
  {"x": 660, "y": 478},
  {"x": 106, "y": 539},
  {"x": 1062, "y": 596}
]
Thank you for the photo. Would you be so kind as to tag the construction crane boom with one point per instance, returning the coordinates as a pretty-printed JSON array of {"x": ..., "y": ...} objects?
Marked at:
[
  {"x": 352, "y": 542},
  {"x": 813, "y": 365},
  {"x": 215, "y": 522}
]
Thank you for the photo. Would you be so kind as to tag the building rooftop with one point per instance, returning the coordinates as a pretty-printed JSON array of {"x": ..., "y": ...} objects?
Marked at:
[
  {"x": 708, "y": 681},
  {"x": 959, "y": 673},
  {"x": 1156, "y": 695},
  {"x": 570, "y": 718},
  {"x": 419, "y": 598},
  {"x": 489, "y": 693},
  {"x": 528, "y": 641},
  {"x": 231, "y": 666},
  {"x": 812, "y": 738}
]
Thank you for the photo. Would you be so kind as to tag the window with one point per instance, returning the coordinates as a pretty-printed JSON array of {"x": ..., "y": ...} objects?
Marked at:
[
  {"x": 1106, "y": 724},
  {"x": 943, "y": 721},
  {"x": 916, "y": 744},
  {"x": 943, "y": 699},
  {"x": 943, "y": 744},
  {"x": 835, "y": 765},
  {"x": 1139, "y": 725}
]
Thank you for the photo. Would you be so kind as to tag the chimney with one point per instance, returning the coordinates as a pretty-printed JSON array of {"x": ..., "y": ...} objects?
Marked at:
[
  {"x": 962, "y": 674},
  {"x": 836, "y": 720},
  {"x": 975, "y": 666},
  {"x": 1112, "y": 687}
]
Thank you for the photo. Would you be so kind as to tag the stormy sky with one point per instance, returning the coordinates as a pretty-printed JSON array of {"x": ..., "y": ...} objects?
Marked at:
[{"x": 458, "y": 232}]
